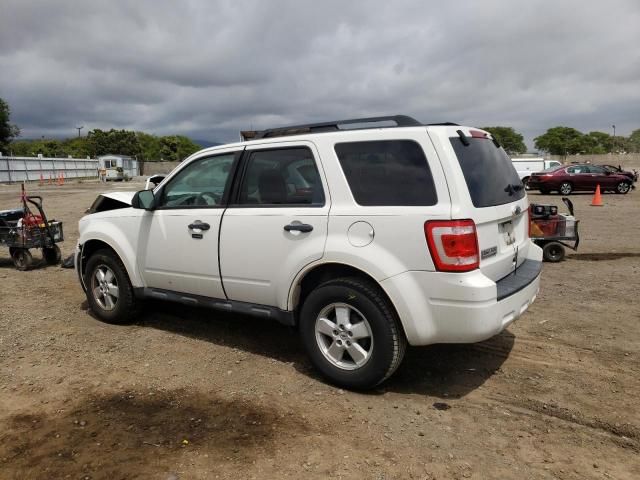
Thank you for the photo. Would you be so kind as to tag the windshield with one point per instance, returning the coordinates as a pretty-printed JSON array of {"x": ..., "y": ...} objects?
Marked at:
[{"x": 488, "y": 171}]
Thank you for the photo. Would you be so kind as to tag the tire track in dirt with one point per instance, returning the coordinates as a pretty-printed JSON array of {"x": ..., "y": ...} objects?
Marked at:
[{"x": 626, "y": 435}]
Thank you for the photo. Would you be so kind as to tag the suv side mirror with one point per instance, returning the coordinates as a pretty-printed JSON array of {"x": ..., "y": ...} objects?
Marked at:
[{"x": 143, "y": 199}]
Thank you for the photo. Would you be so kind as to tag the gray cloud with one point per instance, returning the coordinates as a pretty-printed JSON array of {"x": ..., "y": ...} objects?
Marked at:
[{"x": 208, "y": 69}]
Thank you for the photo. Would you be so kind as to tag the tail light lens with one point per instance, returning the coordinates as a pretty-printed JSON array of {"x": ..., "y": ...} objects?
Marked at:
[{"x": 453, "y": 245}]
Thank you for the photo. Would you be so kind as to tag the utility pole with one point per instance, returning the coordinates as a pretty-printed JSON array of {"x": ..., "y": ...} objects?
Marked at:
[
  {"x": 79, "y": 128},
  {"x": 613, "y": 142}
]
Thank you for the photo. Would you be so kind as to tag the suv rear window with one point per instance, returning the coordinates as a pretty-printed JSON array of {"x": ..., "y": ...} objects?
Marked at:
[
  {"x": 490, "y": 175},
  {"x": 387, "y": 173}
]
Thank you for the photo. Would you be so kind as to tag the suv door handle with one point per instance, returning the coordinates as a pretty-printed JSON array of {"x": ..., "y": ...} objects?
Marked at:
[
  {"x": 199, "y": 225},
  {"x": 298, "y": 227}
]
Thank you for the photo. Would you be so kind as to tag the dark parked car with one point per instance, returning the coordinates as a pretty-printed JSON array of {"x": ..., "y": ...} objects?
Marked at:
[{"x": 573, "y": 178}]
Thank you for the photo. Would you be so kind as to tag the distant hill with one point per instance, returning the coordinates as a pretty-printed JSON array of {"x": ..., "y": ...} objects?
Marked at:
[{"x": 205, "y": 143}]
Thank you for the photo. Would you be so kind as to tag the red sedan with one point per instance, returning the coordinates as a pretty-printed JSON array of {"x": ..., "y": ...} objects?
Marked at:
[{"x": 583, "y": 178}]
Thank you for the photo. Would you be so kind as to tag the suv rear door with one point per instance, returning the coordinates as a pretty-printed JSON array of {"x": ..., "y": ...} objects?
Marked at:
[
  {"x": 276, "y": 222},
  {"x": 489, "y": 192}
]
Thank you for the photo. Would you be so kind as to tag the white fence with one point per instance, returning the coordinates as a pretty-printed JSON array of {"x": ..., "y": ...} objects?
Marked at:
[{"x": 20, "y": 169}]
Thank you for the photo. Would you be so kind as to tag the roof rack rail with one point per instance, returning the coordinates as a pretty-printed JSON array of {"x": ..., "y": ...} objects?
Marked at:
[{"x": 400, "y": 121}]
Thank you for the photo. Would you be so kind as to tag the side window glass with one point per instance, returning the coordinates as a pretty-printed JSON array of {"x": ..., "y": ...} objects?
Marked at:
[
  {"x": 200, "y": 184},
  {"x": 286, "y": 176},
  {"x": 388, "y": 172}
]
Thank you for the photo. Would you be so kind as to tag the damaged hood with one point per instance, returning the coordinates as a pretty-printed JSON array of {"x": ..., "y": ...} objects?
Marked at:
[
  {"x": 111, "y": 201},
  {"x": 123, "y": 197}
]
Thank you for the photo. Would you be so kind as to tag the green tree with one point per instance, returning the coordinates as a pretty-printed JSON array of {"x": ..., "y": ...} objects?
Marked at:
[
  {"x": 511, "y": 141},
  {"x": 176, "y": 148},
  {"x": 122, "y": 142},
  {"x": 8, "y": 131},
  {"x": 149, "y": 146},
  {"x": 633, "y": 141},
  {"x": 560, "y": 141},
  {"x": 598, "y": 142},
  {"x": 77, "y": 147},
  {"x": 32, "y": 148}
]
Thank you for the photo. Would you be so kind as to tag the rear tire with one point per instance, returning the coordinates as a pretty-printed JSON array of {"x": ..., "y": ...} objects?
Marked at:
[
  {"x": 351, "y": 333},
  {"x": 52, "y": 255},
  {"x": 109, "y": 291},
  {"x": 566, "y": 188},
  {"x": 553, "y": 252}
]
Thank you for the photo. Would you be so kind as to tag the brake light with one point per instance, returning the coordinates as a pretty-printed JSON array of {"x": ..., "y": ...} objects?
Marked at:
[
  {"x": 477, "y": 134},
  {"x": 529, "y": 221},
  {"x": 453, "y": 245}
]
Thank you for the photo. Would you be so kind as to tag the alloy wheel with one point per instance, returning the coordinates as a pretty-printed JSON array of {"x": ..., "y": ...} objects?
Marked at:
[
  {"x": 623, "y": 187},
  {"x": 344, "y": 336},
  {"x": 105, "y": 288}
]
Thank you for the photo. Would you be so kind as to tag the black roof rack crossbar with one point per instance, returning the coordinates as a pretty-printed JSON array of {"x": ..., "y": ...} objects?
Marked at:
[{"x": 400, "y": 121}]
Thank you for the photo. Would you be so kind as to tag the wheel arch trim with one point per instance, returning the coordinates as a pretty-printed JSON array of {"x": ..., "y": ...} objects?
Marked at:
[{"x": 119, "y": 246}]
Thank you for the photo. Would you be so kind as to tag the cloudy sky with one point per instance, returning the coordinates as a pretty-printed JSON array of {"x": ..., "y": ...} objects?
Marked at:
[{"x": 208, "y": 69}]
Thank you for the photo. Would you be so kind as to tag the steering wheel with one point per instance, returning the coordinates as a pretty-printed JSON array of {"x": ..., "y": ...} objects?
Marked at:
[{"x": 208, "y": 198}]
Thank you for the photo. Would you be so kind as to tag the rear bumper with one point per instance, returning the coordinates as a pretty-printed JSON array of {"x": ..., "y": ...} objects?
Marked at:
[{"x": 437, "y": 307}]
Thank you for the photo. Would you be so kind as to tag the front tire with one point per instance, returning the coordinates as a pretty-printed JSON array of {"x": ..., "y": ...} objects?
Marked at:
[
  {"x": 109, "y": 291},
  {"x": 351, "y": 333},
  {"x": 623, "y": 188},
  {"x": 566, "y": 188}
]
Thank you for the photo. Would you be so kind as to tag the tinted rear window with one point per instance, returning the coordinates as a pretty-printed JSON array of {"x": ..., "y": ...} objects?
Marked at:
[
  {"x": 387, "y": 173},
  {"x": 488, "y": 171}
]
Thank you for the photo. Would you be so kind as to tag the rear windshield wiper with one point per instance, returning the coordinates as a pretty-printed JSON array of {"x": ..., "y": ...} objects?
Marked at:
[
  {"x": 512, "y": 188},
  {"x": 463, "y": 139}
]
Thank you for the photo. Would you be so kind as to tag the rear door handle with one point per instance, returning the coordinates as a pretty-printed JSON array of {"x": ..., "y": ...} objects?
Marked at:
[
  {"x": 199, "y": 225},
  {"x": 298, "y": 227}
]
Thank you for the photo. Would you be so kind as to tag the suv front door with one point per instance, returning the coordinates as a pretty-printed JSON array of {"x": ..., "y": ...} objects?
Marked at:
[
  {"x": 276, "y": 222},
  {"x": 178, "y": 241}
]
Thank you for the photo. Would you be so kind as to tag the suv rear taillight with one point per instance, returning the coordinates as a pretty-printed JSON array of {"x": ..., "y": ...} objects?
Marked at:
[{"x": 453, "y": 245}]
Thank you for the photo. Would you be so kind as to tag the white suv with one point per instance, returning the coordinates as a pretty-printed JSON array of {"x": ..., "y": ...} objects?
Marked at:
[{"x": 364, "y": 236}]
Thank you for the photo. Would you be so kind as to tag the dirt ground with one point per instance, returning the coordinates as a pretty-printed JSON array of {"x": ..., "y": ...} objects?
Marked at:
[{"x": 195, "y": 394}]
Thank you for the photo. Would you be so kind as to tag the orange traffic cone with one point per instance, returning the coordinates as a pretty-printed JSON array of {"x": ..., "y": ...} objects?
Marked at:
[
  {"x": 41, "y": 179},
  {"x": 597, "y": 199}
]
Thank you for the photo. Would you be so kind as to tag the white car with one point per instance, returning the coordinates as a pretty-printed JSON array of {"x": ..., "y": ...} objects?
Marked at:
[
  {"x": 366, "y": 239},
  {"x": 526, "y": 166}
]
